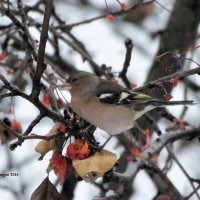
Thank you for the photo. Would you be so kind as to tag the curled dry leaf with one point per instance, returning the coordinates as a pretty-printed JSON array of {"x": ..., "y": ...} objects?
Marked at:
[
  {"x": 59, "y": 165},
  {"x": 96, "y": 166},
  {"x": 45, "y": 146},
  {"x": 46, "y": 191}
]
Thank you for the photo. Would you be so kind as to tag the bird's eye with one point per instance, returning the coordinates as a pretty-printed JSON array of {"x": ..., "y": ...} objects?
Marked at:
[{"x": 73, "y": 80}]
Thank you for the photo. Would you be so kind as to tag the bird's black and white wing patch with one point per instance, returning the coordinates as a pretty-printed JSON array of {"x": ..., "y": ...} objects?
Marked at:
[
  {"x": 109, "y": 98},
  {"x": 132, "y": 97},
  {"x": 123, "y": 98}
]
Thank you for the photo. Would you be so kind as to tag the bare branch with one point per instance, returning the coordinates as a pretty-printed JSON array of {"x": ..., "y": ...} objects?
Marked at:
[
  {"x": 179, "y": 75},
  {"x": 41, "y": 66},
  {"x": 129, "y": 47}
]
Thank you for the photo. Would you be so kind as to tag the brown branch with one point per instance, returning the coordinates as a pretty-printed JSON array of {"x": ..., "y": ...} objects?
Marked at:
[
  {"x": 117, "y": 13},
  {"x": 77, "y": 48},
  {"x": 159, "y": 81},
  {"x": 183, "y": 170},
  {"x": 134, "y": 167},
  {"x": 5, "y": 95},
  {"x": 192, "y": 193},
  {"x": 129, "y": 48},
  {"x": 23, "y": 137},
  {"x": 45, "y": 111},
  {"x": 41, "y": 66},
  {"x": 25, "y": 32}
]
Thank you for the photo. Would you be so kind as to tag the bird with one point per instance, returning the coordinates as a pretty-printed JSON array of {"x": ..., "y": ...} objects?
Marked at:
[{"x": 115, "y": 114}]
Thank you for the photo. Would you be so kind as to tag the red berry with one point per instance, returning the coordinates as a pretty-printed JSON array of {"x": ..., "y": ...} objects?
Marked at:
[
  {"x": 78, "y": 150},
  {"x": 62, "y": 128},
  {"x": 174, "y": 81},
  {"x": 16, "y": 126},
  {"x": 2, "y": 57},
  {"x": 9, "y": 71},
  {"x": 45, "y": 100},
  {"x": 110, "y": 17},
  {"x": 59, "y": 103}
]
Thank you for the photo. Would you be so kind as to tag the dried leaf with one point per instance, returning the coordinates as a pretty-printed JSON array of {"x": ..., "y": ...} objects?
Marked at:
[
  {"x": 46, "y": 191},
  {"x": 95, "y": 166},
  {"x": 59, "y": 165},
  {"x": 45, "y": 146}
]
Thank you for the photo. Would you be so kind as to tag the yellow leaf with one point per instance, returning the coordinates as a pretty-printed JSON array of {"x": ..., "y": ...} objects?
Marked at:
[
  {"x": 45, "y": 146},
  {"x": 96, "y": 166}
]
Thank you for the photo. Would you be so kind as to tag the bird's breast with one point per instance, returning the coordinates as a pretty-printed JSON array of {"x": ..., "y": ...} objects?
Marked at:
[{"x": 110, "y": 118}]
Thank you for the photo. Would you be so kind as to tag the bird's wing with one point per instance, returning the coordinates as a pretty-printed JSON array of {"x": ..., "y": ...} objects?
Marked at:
[{"x": 125, "y": 97}]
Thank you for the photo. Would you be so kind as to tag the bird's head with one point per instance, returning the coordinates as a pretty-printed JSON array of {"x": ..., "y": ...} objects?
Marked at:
[{"x": 81, "y": 82}]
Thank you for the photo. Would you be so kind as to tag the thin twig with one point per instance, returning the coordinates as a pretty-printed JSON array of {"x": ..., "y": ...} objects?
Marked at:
[
  {"x": 117, "y": 13},
  {"x": 129, "y": 48},
  {"x": 179, "y": 75},
  {"x": 183, "y": 170}
]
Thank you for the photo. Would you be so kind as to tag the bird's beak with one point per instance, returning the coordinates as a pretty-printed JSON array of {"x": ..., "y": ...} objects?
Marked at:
[{"x": 65, "y": 86}]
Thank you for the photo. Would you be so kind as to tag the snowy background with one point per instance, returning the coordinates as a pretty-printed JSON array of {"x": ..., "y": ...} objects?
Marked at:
[{"x": 105, "y": 42}]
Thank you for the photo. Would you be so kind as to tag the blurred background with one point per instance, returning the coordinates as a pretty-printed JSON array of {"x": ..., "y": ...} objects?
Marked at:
[{"x": 74, "y": 43}]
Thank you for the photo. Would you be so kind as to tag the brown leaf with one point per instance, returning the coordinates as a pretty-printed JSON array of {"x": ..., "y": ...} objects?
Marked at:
[
  {"x": 45, "y": 146},
  {"x": 46, "y": 191},
  {"x": 59, "y": 165},
  {"x": 95, "y": 166}
]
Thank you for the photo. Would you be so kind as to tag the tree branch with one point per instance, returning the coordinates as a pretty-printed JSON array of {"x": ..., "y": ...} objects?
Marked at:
[
  {"x": 41, "y": 66},
  {"x": 129, "y": 48}
]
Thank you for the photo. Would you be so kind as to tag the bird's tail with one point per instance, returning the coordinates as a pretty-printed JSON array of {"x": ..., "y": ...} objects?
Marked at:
[
  {"x": 142, "y": 107},
  {"x": 154, "y": 103},
  {"x": 160, "y": 102}
]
